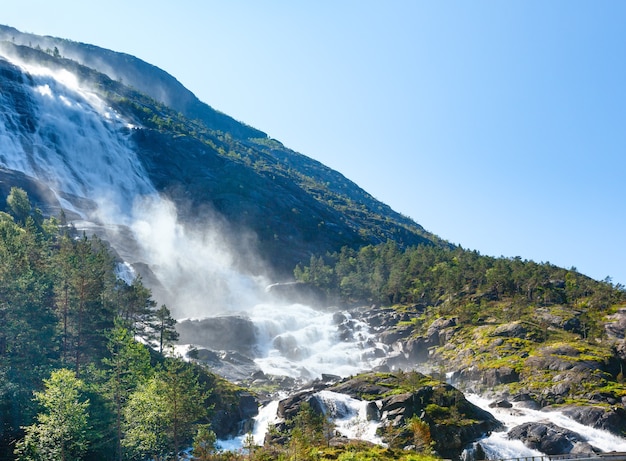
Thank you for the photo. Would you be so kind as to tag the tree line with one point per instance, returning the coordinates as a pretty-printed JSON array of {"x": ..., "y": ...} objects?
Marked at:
[
  {"x": 430, "y": 275},
  {"x": 82, "y": 370}
]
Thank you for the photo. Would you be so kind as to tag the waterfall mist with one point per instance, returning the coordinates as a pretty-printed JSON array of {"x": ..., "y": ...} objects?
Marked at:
[
  {"x": 79, "y": 146},
  {"x": 199, "y": 268}
]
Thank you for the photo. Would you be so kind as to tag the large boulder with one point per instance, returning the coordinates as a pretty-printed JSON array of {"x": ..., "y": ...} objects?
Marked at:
[
  {"x": 550, "y": 439},
  {"x": 454, "y": 422},
  {"x": 236, "y": 417},
  {"x": 612, "y": 419},
  {"x": 231, "y": 365},
  {"x": 227, "y": 332}
]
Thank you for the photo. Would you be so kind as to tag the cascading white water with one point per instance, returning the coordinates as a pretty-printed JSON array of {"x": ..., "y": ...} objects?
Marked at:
[
  {"x": 349, "y": 416},
  {"x": 266, "y": 417},
  {"x": 498, "y": 446},
  {"x": 78, "y": 145},
  {"x": 301, "y": 342}
]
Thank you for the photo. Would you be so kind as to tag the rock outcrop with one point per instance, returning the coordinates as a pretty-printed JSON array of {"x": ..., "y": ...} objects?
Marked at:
[
  {"x": 551, "y": 439},
  {"x": 395, "y": 398}
]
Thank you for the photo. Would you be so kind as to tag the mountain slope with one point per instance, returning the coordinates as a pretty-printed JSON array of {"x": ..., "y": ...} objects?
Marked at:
[{"x": 206, "y": 161}]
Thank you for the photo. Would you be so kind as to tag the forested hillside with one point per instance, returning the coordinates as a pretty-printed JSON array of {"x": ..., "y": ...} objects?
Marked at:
[
  {"x": 209, "y": 164},
  {"x": 88, "y": 347},
  {"x": 505, "y": 326}
]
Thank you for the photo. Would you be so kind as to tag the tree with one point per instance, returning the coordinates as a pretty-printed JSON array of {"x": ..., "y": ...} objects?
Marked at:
[
  {"x": 308, "y": 431},
  {"x": 19, "y": 204},
  {"x": 127, "y": 365},
  {"x": 28, "y": 349},
  {"x": 204, "y": 443},
  {"x": 164, "y": 326},
  {"x": 84, "y": 292},
  {"x": 146, "y": 421},
  {"x": 184, "y": 399},
  {"x": 162, "y": 413},
  {"x": 60, "y": 430},
  {"x": 420, "y": 430}
]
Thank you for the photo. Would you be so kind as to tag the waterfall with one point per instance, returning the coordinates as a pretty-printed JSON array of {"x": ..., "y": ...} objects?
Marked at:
[
  {"x": 72, "y": 141},
  {"x": 349, "y": 416},
  {"x": 54, "y": 129},
  {"x": 266, "y": 417},
  {"x": 498, "y": 446},
  {"x": 301, "y": 342}
]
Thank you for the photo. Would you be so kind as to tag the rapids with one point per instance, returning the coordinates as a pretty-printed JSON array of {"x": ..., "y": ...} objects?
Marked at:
[
  {"x": 55, "y": 130},
  {"x": 497, "y": 444}
]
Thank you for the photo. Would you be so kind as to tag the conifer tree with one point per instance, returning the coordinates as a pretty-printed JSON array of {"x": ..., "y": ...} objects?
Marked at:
[
  {"x": 164, "y": 326},
  {"x": 127, "y": 365}
]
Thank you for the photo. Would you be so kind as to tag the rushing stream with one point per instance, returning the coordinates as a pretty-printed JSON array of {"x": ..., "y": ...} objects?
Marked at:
[
  {"x": 79, "y": 146},
  {"x": 497, "y": 445}
]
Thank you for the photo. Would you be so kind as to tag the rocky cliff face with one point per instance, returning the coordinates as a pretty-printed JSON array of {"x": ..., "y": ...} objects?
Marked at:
[
  {"x": 70, "y": 144},
  {"x": 212, "y": 167}
]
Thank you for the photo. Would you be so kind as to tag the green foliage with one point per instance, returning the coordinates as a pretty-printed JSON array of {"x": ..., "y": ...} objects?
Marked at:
[
  {"x": 19, "y": 204},
  {"x": 126, "y": 366},
  {"x": 60, "y": 432},
  {"x": 420, "y": 431},
  {"x": 62, "y": 308},
  {"x": 458, "y": 281},
  {"x": 84, "y": 291},
  {"x": 162, "y": 413},
  {"x": 204, "y": 443},
  {"x": 164, "y": 327},
  {"x": 310, "y": 429}
]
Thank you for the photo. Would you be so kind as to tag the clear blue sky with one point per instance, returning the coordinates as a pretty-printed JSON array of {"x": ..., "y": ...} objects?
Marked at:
[{"x": 497, "y": 125}]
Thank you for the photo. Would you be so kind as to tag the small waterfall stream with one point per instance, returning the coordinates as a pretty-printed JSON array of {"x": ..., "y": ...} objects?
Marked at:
[
  {"x": 79, "y": 146},
  {"x": 498, "y": 445}
]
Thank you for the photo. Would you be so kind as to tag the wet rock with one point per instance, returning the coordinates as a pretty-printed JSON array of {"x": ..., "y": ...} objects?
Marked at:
[
  {"x": 372, "y": 411},
  {"x": 328, "y": 378},
  {"x": 501, "y": 403},
  {"x": 416, "y": 350},
  {"x": 612, "y": 419},
  {"x": 547, "y": 438},
  {"x": 235, "y": 418},
  {"x": 228, "y": 332},
  {"x": 298, "y": 292},
  {"x": 229, "y": 364}
]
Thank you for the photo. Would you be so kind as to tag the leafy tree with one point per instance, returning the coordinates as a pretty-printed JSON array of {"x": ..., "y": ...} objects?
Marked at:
[
  {"x": 162, "y": 413},
  {"x": 19, "y": 204},
  {"x": 146, "y": 422},
  {"x": 60, "y": 431}
]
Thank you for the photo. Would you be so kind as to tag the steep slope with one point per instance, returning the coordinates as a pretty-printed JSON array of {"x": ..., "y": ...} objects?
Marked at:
[
  {"x": 135, "y": 73},
  {"x": 209, "y": 164}
]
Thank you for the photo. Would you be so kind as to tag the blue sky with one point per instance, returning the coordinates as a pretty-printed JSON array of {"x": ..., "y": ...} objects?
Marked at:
[{"x": 497, "y": 125}]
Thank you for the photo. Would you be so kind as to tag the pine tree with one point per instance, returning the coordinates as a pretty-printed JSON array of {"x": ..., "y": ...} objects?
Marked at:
[
  {"x": 84, "y": 293},
  {"x": 164, "y": 326},
  {"x": 127, "y": 365}
]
